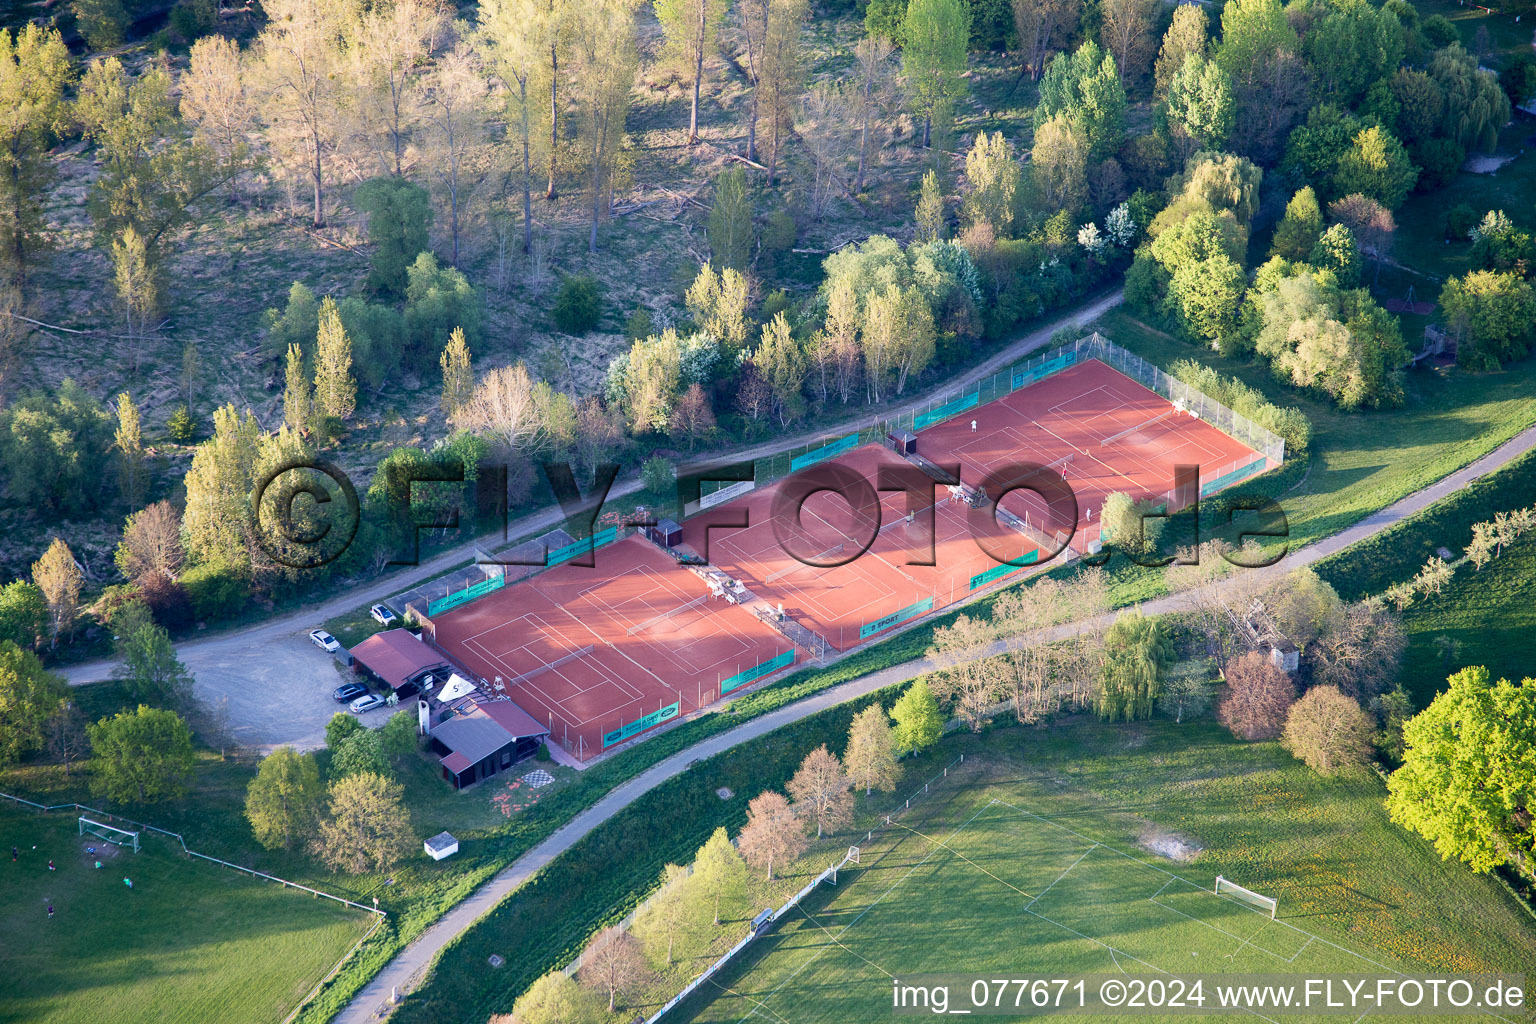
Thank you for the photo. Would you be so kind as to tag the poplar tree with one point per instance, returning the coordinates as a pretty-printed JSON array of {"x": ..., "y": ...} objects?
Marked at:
[
  {"x": 605, "y": 62},
  {"x": 335, "y": 387},
  {"x": 930, "y": 209},
  {"x": 298, "y": 401},
  {"x": 35, "y": 70},
  {"x": 458, "y": 378},
  {"x": 129, "y": 442},
  {"x": 515, "y": 36},
  {"x": 933, "y": 57},
  {"x": 690, "y": 27}
]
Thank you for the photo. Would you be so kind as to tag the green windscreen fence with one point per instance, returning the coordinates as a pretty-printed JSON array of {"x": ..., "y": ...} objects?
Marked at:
[
  {"x": 468, "y": 594},
  {"x": 757, "y": 672},
  {"x": 639, "y": 725},
  {"x": 997, "y": 572},
  {"x": 945, "y": 411},
  {"x": 911, "y": 611}
]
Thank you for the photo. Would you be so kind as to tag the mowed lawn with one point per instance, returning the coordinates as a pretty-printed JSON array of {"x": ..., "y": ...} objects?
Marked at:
[
  {"x": 1483, "y": 618},
  {"x": 1038, "y": 860},
  {"x": 191, "y": 942}
]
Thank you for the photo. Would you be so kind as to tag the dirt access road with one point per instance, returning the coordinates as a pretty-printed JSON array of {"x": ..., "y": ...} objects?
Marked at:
[{"x": 278, "y": 683}]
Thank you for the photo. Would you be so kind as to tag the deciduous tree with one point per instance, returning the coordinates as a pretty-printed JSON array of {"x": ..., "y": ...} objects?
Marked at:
[
  {"x": 457, "y": 135},
  {"x": 1257, "y": 699},
  {"x": 1127, "y": 34},
  {"x": 147, "y": 663},
  {"x": 604, "y": 64},
  {"x": 934, "y": 36},
  {"x": 918, "y": 721},
  {"x": 1328, "y": 731},
  {"x": 690, "y": 27},
  {"x": 58, "y": 576},
  {"x": 555, "y": 999},
  {"x": 368, "y": 829},
  {"x": 1187, "y": 34},
  {"x": 386, "y": 46},
  {"x": 1137, "y": 651},
  {"x": 1466, "y": 783},
  {"x": 335, "y": 387},
  {"x": 35, "y": 71},
  {"x": 993, "y": 180},
  {"x": 142, "y": 756},
  {"x": 151, "y": 545},
  {"x": 517, "y": 36},
  {"x": 820, "y": 791},
  {"x": 720, "y": 875},
  {"x": 774, "y": 833},
  {"x": 871, "y": 754},
  {"x": 29, "y": 698},
  {"x": 300, "y": 81},
  {"x": 612, "y": 963}
]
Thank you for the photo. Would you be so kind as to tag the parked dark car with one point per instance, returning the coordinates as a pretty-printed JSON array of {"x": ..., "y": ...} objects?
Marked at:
[{"x": 347, "y": 692}]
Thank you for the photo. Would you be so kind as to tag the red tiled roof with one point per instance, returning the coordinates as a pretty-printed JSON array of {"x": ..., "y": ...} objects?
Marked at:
[
  {"x": 513, "y": 718},
  {"x": 395, "y": 655},
  {"x": 457, "y": 762}
]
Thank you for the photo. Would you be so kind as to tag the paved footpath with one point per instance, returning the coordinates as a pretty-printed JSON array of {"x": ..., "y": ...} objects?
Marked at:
[{"x": 407, "y": 969}]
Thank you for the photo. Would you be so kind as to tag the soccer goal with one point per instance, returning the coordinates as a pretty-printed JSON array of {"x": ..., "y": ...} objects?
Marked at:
[
  {"x": 1226, "y": 885},
  {"x": 109, "y": 833}
]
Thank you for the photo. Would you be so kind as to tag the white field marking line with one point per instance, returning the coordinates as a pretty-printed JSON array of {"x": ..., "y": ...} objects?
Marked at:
[
  {"x": 872, "y": 906},
  {"x": 967, "y": 860},
  {"x": 1131, "y": 955},
  {"x": 1233, "y": 955},
  {"x": 835, "y": 939},
  {"x": 1243, "y": 906},
  {"x": 1303, "y": 948},
  {"x": 751, "y": 999},
  {"x": 1221, "y": 931},
  {"x": 1059, "y": 877}
]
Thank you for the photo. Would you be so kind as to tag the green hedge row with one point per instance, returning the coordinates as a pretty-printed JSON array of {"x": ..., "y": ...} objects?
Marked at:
[{"x": 1372, "y": 565}]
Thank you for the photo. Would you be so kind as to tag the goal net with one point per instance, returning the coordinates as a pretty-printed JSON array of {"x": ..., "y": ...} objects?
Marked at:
[
  {"x": 109, "y": 833},
  {"x": 1225, "y": 886}
]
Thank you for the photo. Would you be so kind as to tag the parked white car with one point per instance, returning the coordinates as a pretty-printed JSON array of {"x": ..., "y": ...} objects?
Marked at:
[
  {"x": 383, "y": 615},
  {"x": 324, "y": 640},
  {"x": 367, "y": 702}
]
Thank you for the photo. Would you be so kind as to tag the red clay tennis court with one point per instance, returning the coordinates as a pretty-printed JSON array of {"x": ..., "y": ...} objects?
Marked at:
[
  {"x": 602, "y": 654},
  {"x": 1102, "y": 430},
  {"x": 877, "y": 590},
  {"x": 1099, "y": 428}
]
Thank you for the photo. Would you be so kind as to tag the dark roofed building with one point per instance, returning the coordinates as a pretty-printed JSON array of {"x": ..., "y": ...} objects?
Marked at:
[
  {"x": 482, "y": 739},
  {"x": 398, "y": 659}
]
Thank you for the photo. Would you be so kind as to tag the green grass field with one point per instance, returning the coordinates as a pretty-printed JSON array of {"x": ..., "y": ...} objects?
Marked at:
[
  {"x": 191, "y": 942},
  {"x": 1488, "y": 617},
  {"x": 1038, "y": 865}
]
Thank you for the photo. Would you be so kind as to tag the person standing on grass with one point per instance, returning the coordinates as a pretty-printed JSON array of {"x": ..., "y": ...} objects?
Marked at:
[
  {"x": 50, "y": 911},
  {"x": 50, "y": 866},
  {"x": 128, "y": 882},
  {"x": 14, "y": 854}
]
